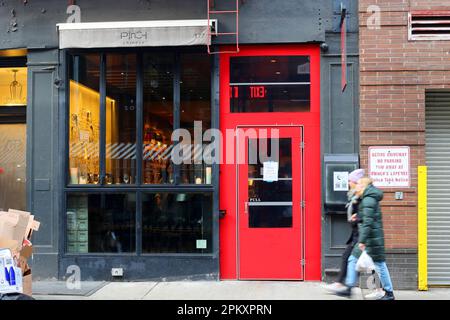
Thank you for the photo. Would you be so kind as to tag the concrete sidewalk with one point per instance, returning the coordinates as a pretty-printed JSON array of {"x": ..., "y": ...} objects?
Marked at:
[{"x": 220, "y": 290}]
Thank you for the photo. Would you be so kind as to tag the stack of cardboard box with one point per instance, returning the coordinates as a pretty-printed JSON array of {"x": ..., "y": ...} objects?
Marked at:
[
  {"x": 77, "y": 225},
  {"x": 16, "y": 229}
]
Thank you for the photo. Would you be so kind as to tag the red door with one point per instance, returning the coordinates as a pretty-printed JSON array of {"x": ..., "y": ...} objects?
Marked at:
[{"x": 269, "y": 171}]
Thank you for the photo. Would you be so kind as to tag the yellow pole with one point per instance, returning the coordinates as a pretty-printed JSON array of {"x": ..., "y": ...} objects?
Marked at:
[{"x": 422, "y": 228}]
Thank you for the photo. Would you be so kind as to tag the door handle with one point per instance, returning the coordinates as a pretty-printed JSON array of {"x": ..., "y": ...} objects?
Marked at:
[{"x": 246, "y": 207}]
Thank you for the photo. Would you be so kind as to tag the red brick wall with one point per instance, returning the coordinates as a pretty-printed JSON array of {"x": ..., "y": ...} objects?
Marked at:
[{"x": 394, "y": 75}]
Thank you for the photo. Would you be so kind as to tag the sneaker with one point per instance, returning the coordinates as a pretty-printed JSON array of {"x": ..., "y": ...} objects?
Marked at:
[
  {"x": 345, "y": 292},
  {"x": 388, "y": 296},
  {"x": 375, "y": 295},
  {"x": 333, "y": 287}
]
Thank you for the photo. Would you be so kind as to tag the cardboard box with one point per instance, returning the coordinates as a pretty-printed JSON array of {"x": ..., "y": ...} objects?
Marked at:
[
  {"x": 32, "y": 225},
  {"x": 72, "y": 236},
  {"x": 27, "y": 285},
  {"x": 16, "y": 229},
  {"x": 7, "y": 225},
  {"x": 8, "y": 244},
  {"x": 72, "y": 221},
  {"x": 10, "y": 274},
  {"x": 83, "y": 247},
  {"x": 82, "y": 225},
  {"x": 21, "y": 229},
  {"x": 82, "y": 214},
  {"x": 72, "y": 247},
  {"x": 82, "y": 236}
]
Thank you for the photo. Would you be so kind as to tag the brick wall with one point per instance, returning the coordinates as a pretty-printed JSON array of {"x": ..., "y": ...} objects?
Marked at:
[{"x": 394, "y": 74}]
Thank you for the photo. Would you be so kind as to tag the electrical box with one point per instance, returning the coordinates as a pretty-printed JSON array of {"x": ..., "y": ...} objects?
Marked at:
[{"x": 336, "y": 170}]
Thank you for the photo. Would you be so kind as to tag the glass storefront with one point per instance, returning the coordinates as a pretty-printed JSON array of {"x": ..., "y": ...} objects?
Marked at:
[
  {"x": 124, "y": 192},
  {"x": 13, "y": 101}
]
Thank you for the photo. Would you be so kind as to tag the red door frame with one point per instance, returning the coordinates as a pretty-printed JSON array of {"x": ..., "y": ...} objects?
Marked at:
[
  {"x": 310, "y": 121},
  {"x": 271, "y": 253}
]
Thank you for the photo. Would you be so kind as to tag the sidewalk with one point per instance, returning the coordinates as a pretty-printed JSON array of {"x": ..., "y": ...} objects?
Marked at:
[{"x": 211, "y": 290}]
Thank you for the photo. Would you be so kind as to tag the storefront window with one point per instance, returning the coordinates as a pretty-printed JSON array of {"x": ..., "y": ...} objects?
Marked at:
[
  {"x": 195, "y": 105},
  {"x": 120, "y": 119},
  {"x": 105, "y": 140},
  {"x": 157, "y": 167},
  {"x": 270, "y": 84},
  {"x": 13, "y": 86},
  {"x": 13, "y": 100},
  {"x": 84, "y": 119},
  {"x": 98, "y": 223},
  {"x": 177, "y": 223}
]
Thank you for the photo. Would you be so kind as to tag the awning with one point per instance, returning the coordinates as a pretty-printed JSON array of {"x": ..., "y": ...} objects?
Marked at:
[{"x": 134, "y": 33}]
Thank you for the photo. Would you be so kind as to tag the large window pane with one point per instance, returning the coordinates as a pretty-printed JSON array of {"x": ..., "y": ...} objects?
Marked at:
[
  {"x": 270, "y": 84},
  {"x": 270, "y": 202},
  {"x": 120, "y": 119},
  {"x": 84, "y": 119},
  {"x": 195, "y": 104},
  {"x": 101, "y": 223},
  {"x": 158, "y": 119},
  {"x": 13, "y": 194},
  {"x": 13, "y": 86},
  {"x": 177, "y": 223}
]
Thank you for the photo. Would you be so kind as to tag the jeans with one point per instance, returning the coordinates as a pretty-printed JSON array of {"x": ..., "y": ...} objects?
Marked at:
[
  {"x": 380, "y": 268},
  {"x": 343, "y": 271}
]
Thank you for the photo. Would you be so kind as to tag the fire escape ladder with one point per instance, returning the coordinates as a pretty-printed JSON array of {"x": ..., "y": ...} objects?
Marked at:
[{"x": 212, "y": 30}]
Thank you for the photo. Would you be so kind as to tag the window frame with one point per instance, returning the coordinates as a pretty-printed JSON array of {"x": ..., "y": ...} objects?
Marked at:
[{"x": 139, "y": 187}]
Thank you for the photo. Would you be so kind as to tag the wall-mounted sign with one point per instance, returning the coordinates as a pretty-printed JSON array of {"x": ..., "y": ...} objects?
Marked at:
[
  {"x": 134, "y": 34},
  {"x": 340, "y": 181},
  {"x": 201, "y": 244},
  {"x": 389, "y": 166}
]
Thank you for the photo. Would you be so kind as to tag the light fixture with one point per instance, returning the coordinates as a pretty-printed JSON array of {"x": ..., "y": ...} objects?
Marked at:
[
  {"x": 15, "y": 88},
  {"x": 273, "y": 60},
  {"x": 278, "y": 72}
]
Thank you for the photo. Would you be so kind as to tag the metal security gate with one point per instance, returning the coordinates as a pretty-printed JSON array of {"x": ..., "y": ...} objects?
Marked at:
[{"x": 437, "y": 116}]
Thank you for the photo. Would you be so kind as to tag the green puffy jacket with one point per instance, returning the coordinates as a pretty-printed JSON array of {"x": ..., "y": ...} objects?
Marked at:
[{"x": 371, "y": 228}]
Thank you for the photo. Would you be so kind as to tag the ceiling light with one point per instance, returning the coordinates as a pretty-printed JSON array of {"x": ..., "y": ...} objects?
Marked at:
[
  {"x": 278, "y": 72},
  {"x": 273, "y": 60}
]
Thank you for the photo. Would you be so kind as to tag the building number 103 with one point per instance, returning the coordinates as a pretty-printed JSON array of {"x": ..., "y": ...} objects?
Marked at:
[{"x": 254, "y": 92}]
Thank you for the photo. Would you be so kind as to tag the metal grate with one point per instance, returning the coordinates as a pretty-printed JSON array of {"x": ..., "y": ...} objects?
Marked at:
[
  {"x": 429, "y": 25},
  {"x": 437, "y": 114}
]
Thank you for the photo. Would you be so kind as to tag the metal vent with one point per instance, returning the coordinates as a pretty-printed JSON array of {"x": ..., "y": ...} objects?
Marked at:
[{"x": 429, "y": 25}]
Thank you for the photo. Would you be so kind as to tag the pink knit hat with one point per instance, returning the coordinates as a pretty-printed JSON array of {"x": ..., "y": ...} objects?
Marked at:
[{"x": 355, "y": 175}]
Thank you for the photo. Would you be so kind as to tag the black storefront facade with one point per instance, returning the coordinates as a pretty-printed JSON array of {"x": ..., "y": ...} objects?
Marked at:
[{"x": 99, "y": 120}]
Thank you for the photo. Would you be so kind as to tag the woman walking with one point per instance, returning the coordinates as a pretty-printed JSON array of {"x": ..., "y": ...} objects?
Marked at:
[
  {"x": 352, "y": 218},
  {"x": 371, "y": 239}
]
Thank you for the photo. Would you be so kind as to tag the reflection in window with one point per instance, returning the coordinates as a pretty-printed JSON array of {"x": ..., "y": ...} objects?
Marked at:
[
  {"x": 158, "y": 119},
  {"x": 270, "y": 84},
  {"x": 177, "y": 223},
  {"x": 270, "y": 216},
  {"x": 101, "y": 223},
  {"x": 195, "y": 104},
  {"x": 120, "y": 119},
  {"x": 84, "y": 119}
]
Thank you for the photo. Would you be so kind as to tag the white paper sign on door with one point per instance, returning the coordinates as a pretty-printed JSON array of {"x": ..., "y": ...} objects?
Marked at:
[
  {"x": 270, "y": 171},
  {"x": 340, "y": 181}
]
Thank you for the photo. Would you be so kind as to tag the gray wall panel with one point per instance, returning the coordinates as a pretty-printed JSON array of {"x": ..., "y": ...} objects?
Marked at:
[
  {"x": 42, "y": 137},
  {"x": 33, "y": 24}
]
